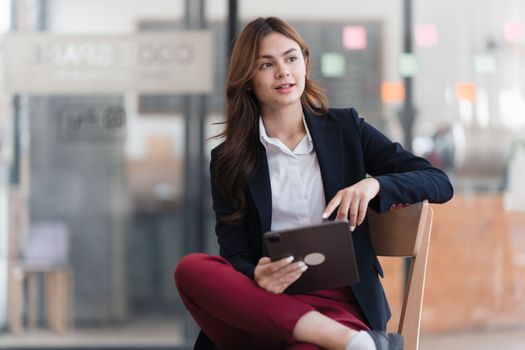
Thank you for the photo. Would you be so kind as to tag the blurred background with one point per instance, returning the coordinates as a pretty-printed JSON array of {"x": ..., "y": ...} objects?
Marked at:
[{"x": 105, "y": 108}]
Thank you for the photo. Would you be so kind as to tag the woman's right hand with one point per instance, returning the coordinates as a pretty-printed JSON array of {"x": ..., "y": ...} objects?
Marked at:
[{"x": 276, "y": 276}]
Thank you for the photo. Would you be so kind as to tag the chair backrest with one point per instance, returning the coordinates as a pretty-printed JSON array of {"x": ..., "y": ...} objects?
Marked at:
[{"x": 405, "y": 232}]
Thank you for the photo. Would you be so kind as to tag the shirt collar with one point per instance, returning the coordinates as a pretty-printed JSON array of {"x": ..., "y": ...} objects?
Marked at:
[
  {"x": 265, "y": 139},
  {"x": 263, "y": 136}
]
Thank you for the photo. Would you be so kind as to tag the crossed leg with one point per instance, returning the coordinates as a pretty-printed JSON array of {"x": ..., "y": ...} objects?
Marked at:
[{"x": 236, "y": 314}]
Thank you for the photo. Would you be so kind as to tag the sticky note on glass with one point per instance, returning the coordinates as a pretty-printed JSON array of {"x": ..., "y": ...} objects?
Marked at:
[
  {"x": 512, "y": 107},
  {"x": 354, "y": 38},
  {"x": 408, "y": 65},
  {"x": 514, "y": 31},
  {"x": 426, "y": 35},
  {"x": 333, "y": 65},
  {"x": 484, "y": 63},
  {"x": 466, "y": 91},
  {"x": 392, "y": 92}
]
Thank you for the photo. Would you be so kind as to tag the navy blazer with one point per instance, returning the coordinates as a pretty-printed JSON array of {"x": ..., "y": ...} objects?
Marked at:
[{"x": 347, "y": 149}]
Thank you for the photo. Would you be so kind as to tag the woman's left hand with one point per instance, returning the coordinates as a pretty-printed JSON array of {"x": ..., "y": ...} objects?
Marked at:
[{"x": 353, "y": 202}]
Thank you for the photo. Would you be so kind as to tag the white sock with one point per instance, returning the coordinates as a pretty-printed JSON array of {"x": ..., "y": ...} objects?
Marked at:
[{"x": 361, "y": 341}]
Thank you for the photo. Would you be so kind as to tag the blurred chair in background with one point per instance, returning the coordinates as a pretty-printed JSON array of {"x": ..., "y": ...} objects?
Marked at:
[{"x": 44, "y": 262}]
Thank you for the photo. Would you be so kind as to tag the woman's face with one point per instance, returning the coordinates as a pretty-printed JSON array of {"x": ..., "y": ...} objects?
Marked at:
[{"x": 280, "y": 76}]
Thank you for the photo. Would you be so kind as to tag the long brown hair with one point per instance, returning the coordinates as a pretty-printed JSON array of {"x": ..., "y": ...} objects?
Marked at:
[{"x": 238, "y": 158}]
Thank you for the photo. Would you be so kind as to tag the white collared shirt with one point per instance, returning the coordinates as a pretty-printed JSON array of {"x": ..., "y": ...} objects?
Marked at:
[{"x": 295, "y": 178}]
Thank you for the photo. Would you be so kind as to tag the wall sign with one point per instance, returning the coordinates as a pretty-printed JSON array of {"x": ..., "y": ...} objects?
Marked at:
[{"x": 147, "y": 62}]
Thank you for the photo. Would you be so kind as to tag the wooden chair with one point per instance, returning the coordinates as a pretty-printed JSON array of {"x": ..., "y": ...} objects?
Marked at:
[{"x": 405, "y": 232}]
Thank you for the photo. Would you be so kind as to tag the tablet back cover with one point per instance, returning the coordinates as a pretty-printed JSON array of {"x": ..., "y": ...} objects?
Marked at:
[{"x": 327, "y": 249}]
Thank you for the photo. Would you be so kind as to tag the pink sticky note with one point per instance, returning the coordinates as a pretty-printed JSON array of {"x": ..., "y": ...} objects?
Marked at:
[
  {"x": 354, "y": 37},
  {"x": 514, "y": 31},
  {"x": 426, "y": 35}
]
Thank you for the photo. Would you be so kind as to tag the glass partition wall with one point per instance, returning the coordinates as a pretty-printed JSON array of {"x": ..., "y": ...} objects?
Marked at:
[{"x": 98, "y": 184}]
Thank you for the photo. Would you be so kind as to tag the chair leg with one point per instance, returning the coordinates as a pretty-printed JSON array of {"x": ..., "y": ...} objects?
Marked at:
[
  {"x": 70, "y": 293},
  {"x": 62, "y": 301},
  {"x": 33, "y": 297},
  {"x": 410, "y": 322},
  {"x": 51, "y": 300},
  {"x": 57, "y": 301},
  {"x": 16, "y": 308}
]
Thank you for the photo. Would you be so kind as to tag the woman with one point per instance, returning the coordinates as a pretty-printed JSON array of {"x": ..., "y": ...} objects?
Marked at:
[{"x": 287, "y": 161}]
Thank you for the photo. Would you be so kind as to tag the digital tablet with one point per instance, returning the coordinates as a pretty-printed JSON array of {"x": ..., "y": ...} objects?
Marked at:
[{"x": 327, "y": 249}]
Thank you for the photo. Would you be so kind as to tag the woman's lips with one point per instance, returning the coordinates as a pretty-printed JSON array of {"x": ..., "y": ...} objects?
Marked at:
[{"x": 284, "y": 88}]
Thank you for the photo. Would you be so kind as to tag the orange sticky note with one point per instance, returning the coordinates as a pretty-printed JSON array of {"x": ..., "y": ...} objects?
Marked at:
[
  {"x": 392, "y": 92},
  {"x": 354, "y": 37},
  {"x": 466, "y": 91}
]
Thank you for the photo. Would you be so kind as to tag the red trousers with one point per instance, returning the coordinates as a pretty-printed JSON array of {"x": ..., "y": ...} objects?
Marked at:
[{"x": 235, "y": 313}]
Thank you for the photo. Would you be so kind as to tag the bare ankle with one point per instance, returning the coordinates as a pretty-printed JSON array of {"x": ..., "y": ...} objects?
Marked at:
[
  {"x": 340, "y": 338},
  {"x": 318, "y": 329}
]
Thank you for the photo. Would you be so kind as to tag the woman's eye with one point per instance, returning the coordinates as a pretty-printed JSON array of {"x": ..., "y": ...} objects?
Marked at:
[
  {"x": 266, "y": 65},
  {"x": 292, "y": 59}
]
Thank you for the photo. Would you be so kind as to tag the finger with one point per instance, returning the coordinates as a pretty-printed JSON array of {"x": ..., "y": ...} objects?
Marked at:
[
  {"x": 290, "y": 274},
  {"x": 291, "y": 278},
  {"x": 332, "y": 205},
  {"x": 354, "y": 208},
  {"x": 273, "y": 288},
  {"x": 282, "y": 285},
  {"x": 296, "y": 275},
  {"x": 342, "y": 213},
  {"x": 285, "y": 271},
  {"x": 262, "y": 266},
  {"x": 278, "y": 287},
  {"x": 264, "y": 261},
  {"x": 363, "y": 207},
  {"x": 279, "y": 264}
]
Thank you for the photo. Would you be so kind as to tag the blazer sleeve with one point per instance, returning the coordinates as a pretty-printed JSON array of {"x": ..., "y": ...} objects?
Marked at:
[
  {"x": 403, "y": 177},
  {"x": 233, "y": 240}
]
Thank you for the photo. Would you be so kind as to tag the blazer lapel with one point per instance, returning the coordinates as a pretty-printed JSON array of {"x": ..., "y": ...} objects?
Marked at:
[
  {"x": 328, "y": 145},
  {"x": 260, "y": 188}
]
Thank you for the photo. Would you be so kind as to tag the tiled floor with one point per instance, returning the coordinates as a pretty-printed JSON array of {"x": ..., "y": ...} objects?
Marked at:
[{"x": 167, "y": 334}]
